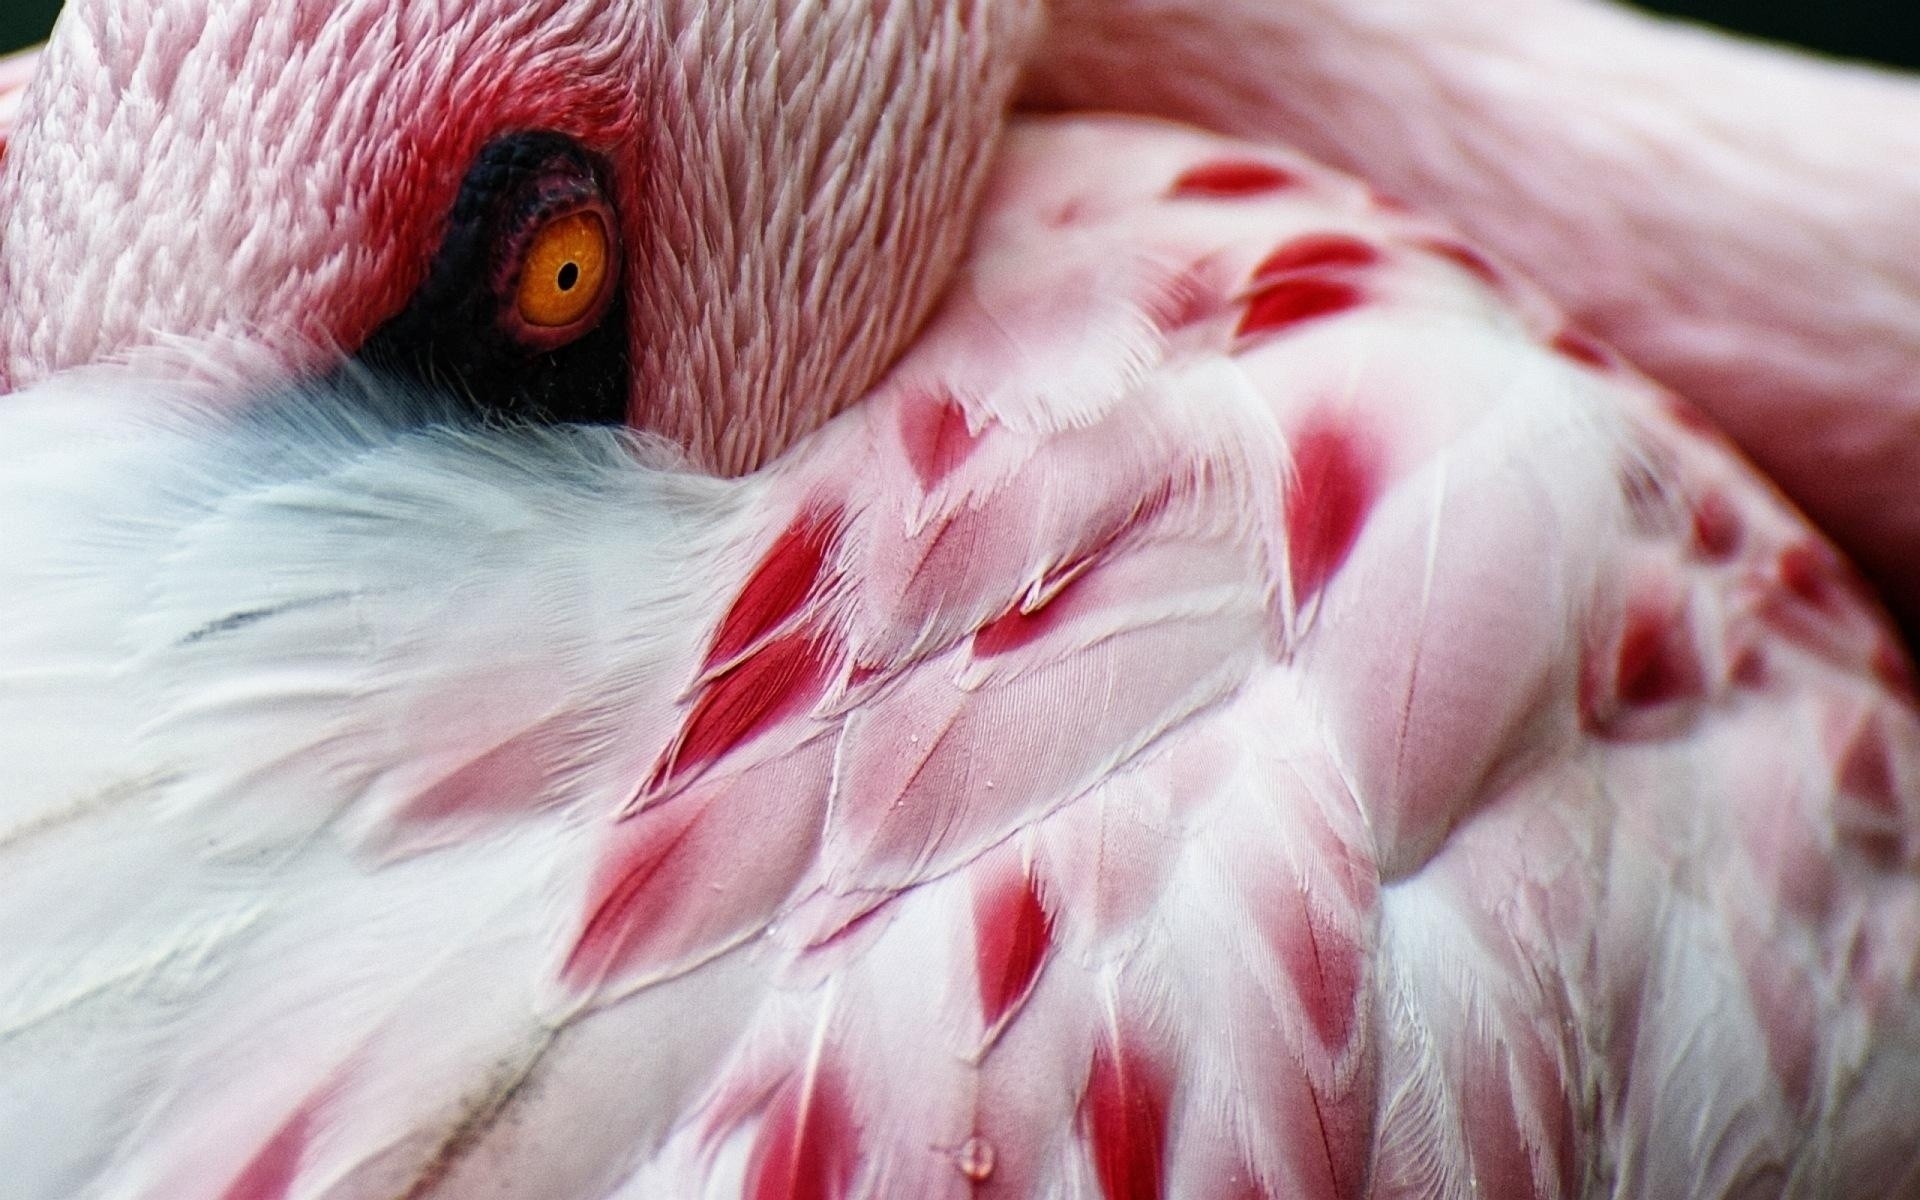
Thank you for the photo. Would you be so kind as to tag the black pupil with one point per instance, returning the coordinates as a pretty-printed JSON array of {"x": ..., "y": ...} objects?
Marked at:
[{"x": 569, "y": 277}]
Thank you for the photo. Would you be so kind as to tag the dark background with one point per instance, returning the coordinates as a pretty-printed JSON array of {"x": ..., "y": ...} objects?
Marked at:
[{"x": 1887, "y": 30}]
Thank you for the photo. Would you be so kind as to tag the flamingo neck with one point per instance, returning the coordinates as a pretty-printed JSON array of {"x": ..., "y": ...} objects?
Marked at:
[{"x": 820, "y": 189}]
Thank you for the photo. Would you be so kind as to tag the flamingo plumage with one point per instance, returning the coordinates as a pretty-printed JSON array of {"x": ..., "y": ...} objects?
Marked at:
[
  {"x": 1250, "y": 701},
  {"x": 1736, "y": 219}
]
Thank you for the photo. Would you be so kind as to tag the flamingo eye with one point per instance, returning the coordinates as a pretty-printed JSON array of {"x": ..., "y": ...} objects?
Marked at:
[
  {"x": 521, "y": 315},
  {"x": 565, "y": 272}
]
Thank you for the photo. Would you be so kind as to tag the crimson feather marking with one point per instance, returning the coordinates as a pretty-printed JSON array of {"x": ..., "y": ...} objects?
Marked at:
[
  {"x": 1817, "y": 602},
  {"x": 1656, "y": 664},
  {"x": 1021, "y": 626},
  {"x": 949, "y": 561},
  {"x": 1013, "y": 932},
  {"x": 778, "y": 680},
  {"x": 1292, "y": 302},
  {"x": 1315, "y": 252},
  {"x": 1124, "y": 1109},
  {"x": 677, "y": 880},
  {"x": 808, "y": 1145},
  {"x": 1326, "y": 966},
  {"x": 271, "y": 1173},
  {"x": 1231, "y": 180},
  {"x": 786, "y": 577},
  {"x": 1329, "y": 493},
  {"x": 1646, "y": 663},
  {"x": 617, "y": 919},
  {"x": 1048, "y": 603},
  {"x": 937, "y": 438},
  {"x": 1809, "y": 573},
  {"x": 1717, "y": 528}
]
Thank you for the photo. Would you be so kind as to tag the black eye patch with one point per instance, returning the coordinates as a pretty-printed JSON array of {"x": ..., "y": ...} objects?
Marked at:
[{"x": 459, "y": 335}]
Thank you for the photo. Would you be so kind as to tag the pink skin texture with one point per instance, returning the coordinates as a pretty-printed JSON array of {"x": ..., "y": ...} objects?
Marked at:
[{"x": 1244, "y": 699}]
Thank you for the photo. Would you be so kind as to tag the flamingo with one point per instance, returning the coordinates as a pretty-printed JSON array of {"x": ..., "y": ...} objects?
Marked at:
[{"x": 1166, "y": 675}]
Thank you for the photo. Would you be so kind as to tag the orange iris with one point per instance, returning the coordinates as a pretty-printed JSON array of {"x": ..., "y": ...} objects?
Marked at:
[{"x": 565, "y": 271}]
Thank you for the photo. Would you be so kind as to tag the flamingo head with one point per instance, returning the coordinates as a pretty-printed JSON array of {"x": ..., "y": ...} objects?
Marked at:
[{"x": 716, "y": 219}]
